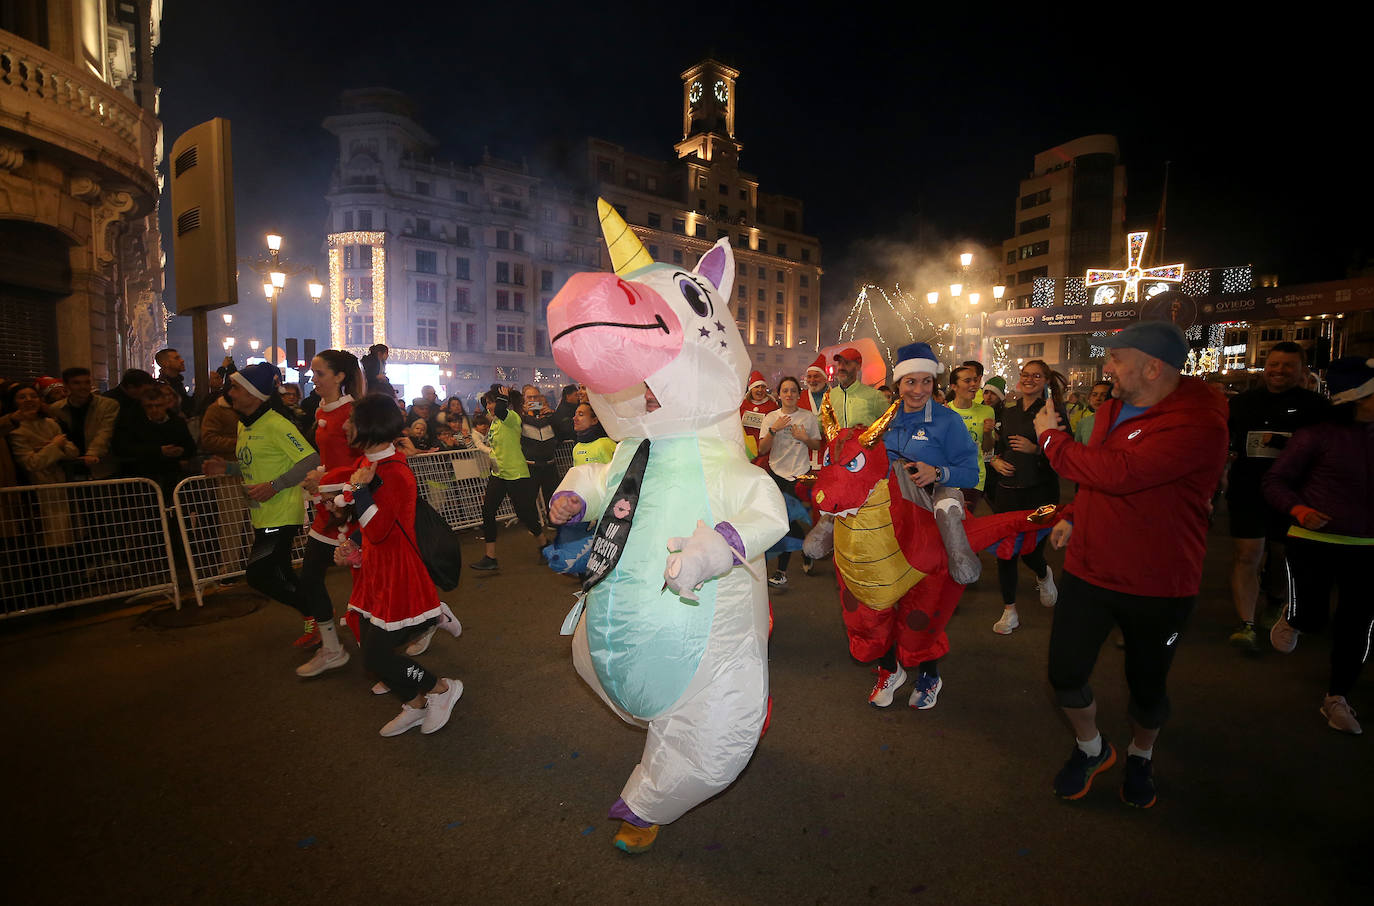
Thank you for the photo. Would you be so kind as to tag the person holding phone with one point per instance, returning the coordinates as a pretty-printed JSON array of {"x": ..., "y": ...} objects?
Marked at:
[{"x": 1026, "y": 480}]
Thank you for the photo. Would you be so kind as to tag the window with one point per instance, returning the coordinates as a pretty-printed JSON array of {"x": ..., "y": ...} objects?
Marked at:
[
  {"x": 653, "y": 251},
  {"x": 758, "y": 338},
  {"x": 763, "y": 274},
  {"x": 1030, "y": 275},
  {"x": 422, "y": 227},
  {"x": 777, "y": 318},
  {"x": 656, "y": 221},
  {"x": 1271, "y": 333},
  {"x": 461, "y": 269},
  {"x": 804, "y": 301},
  {"x": 1011, "y": 257},
  {"x": 365, "y": 256},
  {"x": 1034, "y": 199},
  {"x": 426, "y": 291},
  {"x": 422, "y": 188},
  {"x": 677, "y": 256},
  {"x": 473, "y": 340},
  {"x": 541, "y": 342},
  {"x": 782, "y": 249},
  {"x": 1028, "y": 350},
  {"x": 779, "y": 299},
  {"x": 350, "y": 256},
  {"x": 503, "y": 272},
  {"x": 679, "y": 225},
  {"x": 519, "y": 240},
  {"x": 777, "y": 339},
  {"x": 426, "y": 262},
  {"x": 1035, "y": 249},
  {"x": 460, "y": 195},
  {"x": 743, "y": 242},
  {"x": 701, "y": 180},
  {"x": 517, "y": 274},
  {"x": 427, "y": 332},
  {"x": 546, "y": 281},
  {"x": 651, "y": 183},
  {"x": 759, "y": 315},
  {"x": 781, "y": 277},
  {"x": 455, "y": 334},
  {"x": 806, "y": 254},
  {"x": 517, "y": 301},
  {"x": 761, "y": 292},
  {"x": 365, "y": 288},
  {"x": 605, "y": 169},
  {"x": 632, "y": 178},
  {"x": 763, "y": 246},
  {"x": 789, "y": 221},
  {"x": 742, "y": 294},
  {"x": 462, "y": 237},
  {"x": 348, "y": 221},
  {"x": 503, "y": 239},
  {"x": 350, "y": 287},
  {"x": 510, "y": 338},
  {"x": 722, "y": 213},
  {"x": 801, "y": 322},
  {"x": 1035, "y": 223},
  {"x": 358, "y": 330},
  {"x": 364, "y": 220},
  {"x": 805, "y": 281},
  {"x": 461, "y": 300},
  {"x": 503, "y": 300}
]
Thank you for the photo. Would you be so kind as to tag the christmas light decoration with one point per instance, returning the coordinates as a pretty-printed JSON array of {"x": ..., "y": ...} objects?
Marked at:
[
  {"x": 1074, "y": 291},
  {"x": 338, "y": 304},
  {"x": 1042, "y": 292},
  {"x": 1133, "y": 273},
  {"x": 1237, "y": 279}
]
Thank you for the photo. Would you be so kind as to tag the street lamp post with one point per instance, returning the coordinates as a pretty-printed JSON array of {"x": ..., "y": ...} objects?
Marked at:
[{"x": 275, "y": 270}]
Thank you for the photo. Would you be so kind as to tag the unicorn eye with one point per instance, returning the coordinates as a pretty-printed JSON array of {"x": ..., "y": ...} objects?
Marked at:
[
  {"x": 826, "y": 460},
  {"x": 857, "y": 463},
  {"x": 695, "y": 297}
]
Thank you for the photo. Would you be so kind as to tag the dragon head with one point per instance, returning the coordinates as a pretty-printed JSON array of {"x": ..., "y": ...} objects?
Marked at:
[{"x": 855, "y": 461}]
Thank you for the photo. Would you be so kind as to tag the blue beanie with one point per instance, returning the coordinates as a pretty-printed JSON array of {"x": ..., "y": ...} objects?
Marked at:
[
  {"x": 915, "y": 358},
  {"x": 261, "y": 379},
  {"x": 1161, "y": 339}
]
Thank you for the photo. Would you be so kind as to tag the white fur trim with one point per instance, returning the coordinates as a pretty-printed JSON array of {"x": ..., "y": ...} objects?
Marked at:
[
  {"x": 330, "y": 407},
  {"x": 382, "y": 454},
  {"x": 914, "y": 366},
  {"x": 243, "y": 382},
  {"x": 1355, "y": 393},
  {"x": 365, "y": 518},
  {"x": 325, "y": 538}
]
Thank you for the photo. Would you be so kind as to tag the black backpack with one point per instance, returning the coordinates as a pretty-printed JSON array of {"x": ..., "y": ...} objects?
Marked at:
[{"x": 437, "y": 544}]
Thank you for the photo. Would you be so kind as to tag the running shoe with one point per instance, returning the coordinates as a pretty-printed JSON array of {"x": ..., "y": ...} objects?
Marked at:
[
  {"x": 778, "y": 579},
  {"x": 1244, "y": 638},
  {"x": 1284, "y": 637},
  {"x": 632, "y": 839},
  {"x": 926, "y": 692},
  {"x": 807, "y": 563},
  {"x": 1009, "y": 622},
  {"x": 380, "y": 688},
  {"x": 1049, "y": 594},
  {"x": 323, "y": 660},
  {"x": 1138, "y": 785},
  {"x": 1075, "y": 778},
  {"x": 439, "y": 706},
  {"x": 311, "y": 638},
  {"x": 486, "y": 564},
  {"x": 887, "y": 685},
  {"x": 408, "y": 718},
  {"x": 1340, "y": 716},
  {"x": 448, "y": 622},
  {"x": 421, "y": 643}
]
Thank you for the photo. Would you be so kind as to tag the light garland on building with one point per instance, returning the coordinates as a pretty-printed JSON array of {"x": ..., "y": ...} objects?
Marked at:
[
  {"x": 1133, "y": 273},
  {"x": 337, "y": 302}
]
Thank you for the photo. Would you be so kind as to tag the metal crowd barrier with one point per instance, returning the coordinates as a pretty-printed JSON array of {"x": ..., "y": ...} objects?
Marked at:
[
  {"x": 68, "y": 544},
  {"x": 83, "y": 541}
]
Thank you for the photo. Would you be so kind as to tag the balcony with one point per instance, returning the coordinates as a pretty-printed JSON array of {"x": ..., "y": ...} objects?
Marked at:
[{"x": 50, "y": 100}]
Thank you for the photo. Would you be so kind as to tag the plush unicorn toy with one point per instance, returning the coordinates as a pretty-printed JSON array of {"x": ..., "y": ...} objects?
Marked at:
[{"x": 674, "y": 632}]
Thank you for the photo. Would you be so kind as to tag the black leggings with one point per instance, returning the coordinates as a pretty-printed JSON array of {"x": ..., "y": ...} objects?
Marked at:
[
  {"x": 545, "y": 478},
  {"x": 384, "y": 657},
  {"x": 269, "y": 566},
  {"x": 1150, "y": 628},
  {"x": 1315, "y": 569},
  {"x": 319, "y": 556},
  {"x": 1007, "y": 575},
  {"x": 521, "y": 493}
]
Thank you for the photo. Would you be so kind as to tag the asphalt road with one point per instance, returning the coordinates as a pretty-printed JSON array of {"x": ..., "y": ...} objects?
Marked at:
[{"x": 153, "y": 756}]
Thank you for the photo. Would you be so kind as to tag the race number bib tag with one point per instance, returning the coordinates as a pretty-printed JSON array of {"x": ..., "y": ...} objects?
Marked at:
[{"x": 1265, "y": 444}]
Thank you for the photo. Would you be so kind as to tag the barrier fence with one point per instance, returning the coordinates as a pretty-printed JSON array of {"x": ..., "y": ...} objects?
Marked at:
[
  {"x": 80, "y": 542},
  {"x": 67, "y": 544}
]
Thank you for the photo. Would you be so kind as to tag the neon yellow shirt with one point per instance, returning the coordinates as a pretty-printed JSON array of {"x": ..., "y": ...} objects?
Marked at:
[
  {"x": 266, "y": 449},
  {"x": 973, "y": 417}
]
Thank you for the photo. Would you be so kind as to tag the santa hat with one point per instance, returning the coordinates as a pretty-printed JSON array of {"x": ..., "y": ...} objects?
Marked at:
[
  {"x": 261, "y": 380},
  {"x": 915, "y": 358},
  {"x": 756, "y": 380},
  {"x": 818, "y": 365},
  {"x": 1350, "y": 379},
  {"x": 998, "y": 386}
]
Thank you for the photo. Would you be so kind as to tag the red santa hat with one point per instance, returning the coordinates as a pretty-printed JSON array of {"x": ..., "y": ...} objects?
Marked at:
[
  {"x": 756, "y": 380},
  {"x": 818, "y": 365}
]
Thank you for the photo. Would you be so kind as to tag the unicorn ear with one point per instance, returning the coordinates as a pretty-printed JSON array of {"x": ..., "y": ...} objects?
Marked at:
[{"x": 718, "y": 266}]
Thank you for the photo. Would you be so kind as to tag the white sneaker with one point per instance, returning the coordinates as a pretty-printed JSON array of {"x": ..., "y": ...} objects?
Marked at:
[
  {"x": 380, "y": 688},
  {"x": 1049, "y": 595},
  {"x": 323, "y": 660},
  {"x": 886, "y": 686},
  {"x": 448, "y": 622},
  {"x": 1340, "y": 716},
  {"x": 409, "y": 717},
  {"x": 1283, "y": 636},
  {"x": 439, "y": 705},
  {"x": 1009, "y": 621},
  {"x": 778, "y": 579},
  {"x": 421, "y": 643}
]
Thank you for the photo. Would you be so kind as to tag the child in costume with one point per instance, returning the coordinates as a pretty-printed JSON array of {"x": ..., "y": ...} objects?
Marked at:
[{"x": 674, "y": 633}]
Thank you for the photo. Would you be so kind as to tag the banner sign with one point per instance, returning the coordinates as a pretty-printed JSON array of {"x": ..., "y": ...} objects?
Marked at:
[{"x": 1061, "y": 319}]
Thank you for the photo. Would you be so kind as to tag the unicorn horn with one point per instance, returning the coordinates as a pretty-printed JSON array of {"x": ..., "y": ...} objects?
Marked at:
[
  {"x": 627, "y": 252},
  {"x": 829, "y": 424},
  {"x": 874, "y": 432}
]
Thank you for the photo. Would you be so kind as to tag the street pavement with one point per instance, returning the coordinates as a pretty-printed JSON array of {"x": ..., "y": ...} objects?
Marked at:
[{"x": 157, "y": 756}]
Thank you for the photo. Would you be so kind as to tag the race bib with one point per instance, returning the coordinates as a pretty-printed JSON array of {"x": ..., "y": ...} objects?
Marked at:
[{"x": 1265, "y": 444}]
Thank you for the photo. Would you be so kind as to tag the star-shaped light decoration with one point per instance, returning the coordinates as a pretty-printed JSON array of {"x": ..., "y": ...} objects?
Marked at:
[{"x": 1133, "y": 272}]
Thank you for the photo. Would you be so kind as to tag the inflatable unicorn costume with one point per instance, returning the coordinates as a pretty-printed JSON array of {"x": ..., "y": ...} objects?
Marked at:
[{"x": 674, "y": 632}]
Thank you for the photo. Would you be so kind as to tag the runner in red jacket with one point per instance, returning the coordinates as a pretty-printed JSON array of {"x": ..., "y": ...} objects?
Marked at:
[{"x": 1137, "y": 532}]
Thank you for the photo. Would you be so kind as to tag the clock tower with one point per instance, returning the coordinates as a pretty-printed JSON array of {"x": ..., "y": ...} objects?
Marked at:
[{"x": 708, "y": 112}]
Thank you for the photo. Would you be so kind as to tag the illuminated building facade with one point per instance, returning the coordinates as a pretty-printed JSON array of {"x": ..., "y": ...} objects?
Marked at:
[
  {"x": 80, "y": 143},
  {"x": 454, "y": 266},
  {"x": 1070, "y": 215}
]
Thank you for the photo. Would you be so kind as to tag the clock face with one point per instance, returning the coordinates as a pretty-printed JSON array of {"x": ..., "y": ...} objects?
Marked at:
[
  {"x": 722, "y": 91},
  {"x": 694, "y": 93}
]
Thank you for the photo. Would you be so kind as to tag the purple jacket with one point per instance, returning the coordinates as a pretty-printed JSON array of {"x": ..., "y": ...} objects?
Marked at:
[{"x": 1329, "y": 467}]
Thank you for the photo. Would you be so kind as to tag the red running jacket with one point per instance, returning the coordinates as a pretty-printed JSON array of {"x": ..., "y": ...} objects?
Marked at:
[{"x": 1144, "y": 492}]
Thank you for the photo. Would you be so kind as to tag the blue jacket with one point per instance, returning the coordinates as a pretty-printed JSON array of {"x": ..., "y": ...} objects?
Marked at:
[{"x": 937, "y": 437}]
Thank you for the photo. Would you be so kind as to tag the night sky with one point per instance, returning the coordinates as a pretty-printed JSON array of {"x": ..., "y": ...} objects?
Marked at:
[{"x": 883, "y": 126}]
